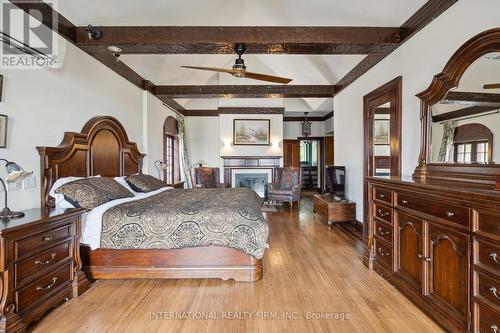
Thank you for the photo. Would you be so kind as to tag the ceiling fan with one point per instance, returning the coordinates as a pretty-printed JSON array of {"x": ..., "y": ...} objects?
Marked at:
[
  {"x": 492, "y": 86},
  {"x": 240, "y": 70}
]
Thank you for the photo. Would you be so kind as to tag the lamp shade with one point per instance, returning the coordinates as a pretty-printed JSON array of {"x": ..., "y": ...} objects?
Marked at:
[{"x": 15, "y": 173}]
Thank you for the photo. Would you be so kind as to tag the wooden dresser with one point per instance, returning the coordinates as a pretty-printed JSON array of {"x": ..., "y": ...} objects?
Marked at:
[
  {"x": 440, "y": 245},
  {"x": 39, "y": 264}
]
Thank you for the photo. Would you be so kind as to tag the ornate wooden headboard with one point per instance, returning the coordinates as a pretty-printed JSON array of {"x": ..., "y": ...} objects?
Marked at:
[{"x": 102, "y": 148}]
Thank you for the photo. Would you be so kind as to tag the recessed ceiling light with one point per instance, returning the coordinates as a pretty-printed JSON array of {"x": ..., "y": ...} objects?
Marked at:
[{"x": 114, "y": 49}]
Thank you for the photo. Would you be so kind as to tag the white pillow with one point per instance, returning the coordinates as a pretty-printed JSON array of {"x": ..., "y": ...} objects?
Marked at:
[
  {"x": 123, "y": 182},
  {"x": 59, "y": 198}
]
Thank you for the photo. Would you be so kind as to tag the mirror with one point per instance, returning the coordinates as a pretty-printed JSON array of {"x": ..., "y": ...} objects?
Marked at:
[
  {"x": 465, "y": 125},
  {"x": 381, "y": 140}
]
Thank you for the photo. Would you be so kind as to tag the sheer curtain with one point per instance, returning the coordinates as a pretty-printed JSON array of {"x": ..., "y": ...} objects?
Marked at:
[
  {"x": 446, "y": 144},
  {"x": 185, "y": 164}
]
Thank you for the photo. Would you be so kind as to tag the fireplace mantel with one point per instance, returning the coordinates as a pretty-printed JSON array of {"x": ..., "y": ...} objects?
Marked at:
[{"x": 248, "y": 162}]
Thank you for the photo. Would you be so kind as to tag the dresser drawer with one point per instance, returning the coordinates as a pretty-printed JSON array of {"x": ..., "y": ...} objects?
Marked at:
[
  {"x": 487, "y": 288},
  {"x": 42, "y": 261},
  {"x": 42, "y": 239},
  {"x": 488, "y": 225},
  {"x": 487, "y": 255},
  {"x": 382, "y": 195},
  {"x": 383, "y": 231},
  {"x": 488, "y": 321},
  {"x": 382, "y": 212},
  {"x": 43, "y": 287},
  {"x": 452, "y": 213},
  {"x": 383, "y": 251}
]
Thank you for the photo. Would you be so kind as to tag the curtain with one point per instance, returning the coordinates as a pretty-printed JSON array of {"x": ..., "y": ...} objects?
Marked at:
[
  {"x": 447, "y": 142},
  {"x": 185, "y": 164}
]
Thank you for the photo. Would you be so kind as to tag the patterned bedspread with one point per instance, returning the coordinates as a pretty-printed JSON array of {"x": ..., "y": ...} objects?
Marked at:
[{"x": 180, "y": 218}]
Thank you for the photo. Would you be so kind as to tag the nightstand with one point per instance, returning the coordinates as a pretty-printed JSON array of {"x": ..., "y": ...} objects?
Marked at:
[
  {"x": 177, "y": 185},
  {"x": 40, "y": 264}
]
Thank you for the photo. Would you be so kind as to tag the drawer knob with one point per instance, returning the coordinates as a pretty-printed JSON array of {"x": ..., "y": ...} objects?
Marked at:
[
  {"x": 382, "y": 232},
  {"x": 382, "y": 196},
  {"x": 382, "y": 253},
  {"x": 450, "y": 214},
  {"x": 381, "y": 213},
  {"x": 494, "y": 328},
  {"x": 46, "y": 238},
  {"x": 405, "y": 202},
  {"x": 494, "y": 256},
  {"x": 494, "y": 292},
  {"x": 427, "y": 259},
  {"x": 46, "y": 262},
  {"x": 47, "y": 287}
]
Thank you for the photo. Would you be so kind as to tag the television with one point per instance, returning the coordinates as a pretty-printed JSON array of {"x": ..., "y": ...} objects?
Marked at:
[{"x": 335, "y": 181}]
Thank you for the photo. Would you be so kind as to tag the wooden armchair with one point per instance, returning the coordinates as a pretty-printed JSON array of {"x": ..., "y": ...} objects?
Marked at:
[
  {"x": 286, "y": 186},
  {"x": 206, "y": 177}
]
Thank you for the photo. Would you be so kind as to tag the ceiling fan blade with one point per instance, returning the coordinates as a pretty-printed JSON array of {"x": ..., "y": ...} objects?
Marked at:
[
  {"x": 264, "y": 77},
  {"x": 212, "y": 69},
  {"x": 492, "y": 86}
]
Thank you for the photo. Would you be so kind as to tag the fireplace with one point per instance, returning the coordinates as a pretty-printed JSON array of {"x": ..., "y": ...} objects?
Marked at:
[
  {"x": 250, "y": 172},
  {"x": 255, "y": 179}
]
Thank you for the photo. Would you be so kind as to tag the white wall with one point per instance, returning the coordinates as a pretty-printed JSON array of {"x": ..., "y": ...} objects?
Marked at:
[
  {"x": 293, "y": 129},
  {"x": 418, "y": 60},
  {"x": 204, "y": 140},
  {"x": 154, "y": 115},
  {"x": 43, "y": 104}
]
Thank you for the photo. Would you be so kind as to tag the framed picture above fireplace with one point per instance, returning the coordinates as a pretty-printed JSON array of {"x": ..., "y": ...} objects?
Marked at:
[{"x": 251, "y": 132}]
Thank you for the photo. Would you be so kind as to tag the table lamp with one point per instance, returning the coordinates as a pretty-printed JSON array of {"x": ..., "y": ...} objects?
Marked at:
[{"x": 14, "y": 174}]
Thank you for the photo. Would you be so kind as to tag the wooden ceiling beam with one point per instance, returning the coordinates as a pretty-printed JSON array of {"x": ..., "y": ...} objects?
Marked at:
[
  {"x": 246, "y": 91},
  {"x": 466, "y": 112},
  {"x": 259, "y": 40},
  {"x": 234, "y": 110},
  {"x": 472, "y": 98},
  {"x": 313, "y": 118},
  {"x": 425, "y": 15}
]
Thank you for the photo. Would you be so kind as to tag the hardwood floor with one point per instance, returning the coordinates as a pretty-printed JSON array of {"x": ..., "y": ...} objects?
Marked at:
[{"x": 308, "y": 268}]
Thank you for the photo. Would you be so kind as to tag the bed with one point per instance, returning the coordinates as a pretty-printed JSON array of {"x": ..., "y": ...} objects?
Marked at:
[{"x": 103, "y": 148}]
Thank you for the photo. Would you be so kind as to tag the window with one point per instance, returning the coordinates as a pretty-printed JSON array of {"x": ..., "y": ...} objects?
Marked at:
[
  {"x": 171, "y": 151},
  {"x": 472, "y": 152},
  {"x": 473, "y": 144},
  {"x": 169, "y": 158}
]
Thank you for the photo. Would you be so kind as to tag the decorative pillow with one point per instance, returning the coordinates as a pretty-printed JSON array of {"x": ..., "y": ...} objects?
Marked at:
[
  {"x": 289, "y": 178},
  {"x": 89, "y": 193},
  {"x": 60, "y": 201},
  {"x": 144, "y": 183}
]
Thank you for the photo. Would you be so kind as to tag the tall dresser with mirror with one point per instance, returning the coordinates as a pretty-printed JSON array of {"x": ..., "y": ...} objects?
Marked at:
[{"x": 436, "y": 235}]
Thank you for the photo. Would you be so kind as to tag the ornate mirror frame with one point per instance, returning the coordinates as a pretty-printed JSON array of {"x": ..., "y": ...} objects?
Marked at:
[{"x": 480, "y": 175}]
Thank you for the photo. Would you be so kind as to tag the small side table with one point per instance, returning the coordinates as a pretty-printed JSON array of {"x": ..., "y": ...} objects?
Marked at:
[{"x": 332, "y": 210}]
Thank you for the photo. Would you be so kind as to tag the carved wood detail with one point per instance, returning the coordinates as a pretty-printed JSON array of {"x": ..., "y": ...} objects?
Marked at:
[{"x": 481, "y": 175}]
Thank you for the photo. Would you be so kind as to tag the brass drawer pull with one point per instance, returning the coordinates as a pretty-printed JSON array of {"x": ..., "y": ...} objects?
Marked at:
[
  {"x": 450, "y": 214},
  {"x": 46, "y": 262},
  {"x": 382, "y": 232},
  {"x": 494, "y": 328},
  {"x": 50, "y": 285},
  {"x": 382, "y": 196},
  {"x": 494, "y": 256},
  {"x": 428, "y": 259},
  {"x": 382, "y": 252},
  {"x": 381, "y": 213},
  {"x": 494, "y": 292},
  {"x": 405, "y": 202},
  {"x": 47, "y": 238},
  {"x": 424, "y": 258}
]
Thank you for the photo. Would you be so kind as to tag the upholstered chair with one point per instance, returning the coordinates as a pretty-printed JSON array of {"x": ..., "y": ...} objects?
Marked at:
[
  {"x": 206, "y": 177},
  {"x": 286, "y": 186}
]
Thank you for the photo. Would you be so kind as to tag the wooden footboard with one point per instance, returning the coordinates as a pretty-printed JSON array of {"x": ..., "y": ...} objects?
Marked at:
[{"x": 209, "y": 262}]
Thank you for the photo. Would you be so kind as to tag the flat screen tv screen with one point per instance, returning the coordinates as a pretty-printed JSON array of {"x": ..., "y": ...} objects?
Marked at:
[{"x": 335, "y": 180}]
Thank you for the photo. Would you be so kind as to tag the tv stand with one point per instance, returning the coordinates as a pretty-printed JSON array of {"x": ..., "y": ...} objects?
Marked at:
[{"x": 327, "y": 207}]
